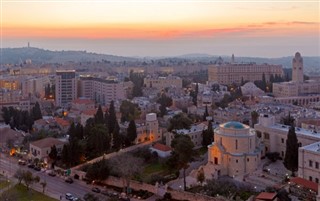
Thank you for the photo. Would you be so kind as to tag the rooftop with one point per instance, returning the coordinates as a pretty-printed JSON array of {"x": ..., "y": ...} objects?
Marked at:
[
  {"x": 305, "y": 183},
  {"x": 234, "y": 125},
  {"x": 315, "y": 147},
  {"x": 266, "y": 196},
  {"x": 47, "y": 142},
  {"x": 161, "y": 147}
]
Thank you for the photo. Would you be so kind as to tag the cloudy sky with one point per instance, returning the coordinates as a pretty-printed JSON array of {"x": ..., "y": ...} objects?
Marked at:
[{"x": 164, "y": 27}]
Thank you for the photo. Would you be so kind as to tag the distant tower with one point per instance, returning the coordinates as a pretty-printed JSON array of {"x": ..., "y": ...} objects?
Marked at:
[
  {"x": 28, "y": 44},
  {"x": 232, "y": 58},
  {"x": 297, "y": 68}
]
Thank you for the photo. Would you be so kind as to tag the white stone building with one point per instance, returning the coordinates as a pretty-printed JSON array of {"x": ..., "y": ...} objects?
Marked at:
[
  {"x": 309, "y": 162},
  {"x": 236, "y": 151}
]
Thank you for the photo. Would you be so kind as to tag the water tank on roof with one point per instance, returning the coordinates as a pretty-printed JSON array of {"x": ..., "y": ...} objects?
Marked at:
[{"x": 151, "y": 117}]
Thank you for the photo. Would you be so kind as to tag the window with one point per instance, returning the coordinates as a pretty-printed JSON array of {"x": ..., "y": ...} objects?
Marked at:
[
  {"x": 310, "y": 163},
  {"x": 282, "y": 153},
  {"x": 317, "y": 165},
  {"x": 247, "y": 159},
  {"x": 258, "y": 134},
  {"x": 317, "y": 180},
  {"x": 310, "y": 178},
  {"x": 282, "y": 140},
  {"x": 236, "y": 144},
  {"x": 215, "y": 160},
  {"x": 266, "y": 136},
  {"x": 237, "y": 161}
]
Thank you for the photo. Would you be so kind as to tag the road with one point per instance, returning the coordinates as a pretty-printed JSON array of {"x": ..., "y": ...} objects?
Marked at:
[{"x": 56, "y": 186}]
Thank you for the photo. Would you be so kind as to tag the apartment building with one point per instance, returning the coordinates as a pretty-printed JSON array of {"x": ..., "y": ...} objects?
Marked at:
[
  {"x": 66, "y": 87},
  {"x": 162, "y": 82}
]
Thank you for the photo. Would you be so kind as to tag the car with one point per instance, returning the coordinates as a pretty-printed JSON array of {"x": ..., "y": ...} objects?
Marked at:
[
  {"x": 69, "y": 180},
  {"x": 105, "y": 192},
  {"x": 37, "y": 168},
  {"x": 52, "y": 174},
  {"x": 31, "y": 166},
  {"x": 96, "y": 190},
  {"x": 75, "y": 199},
  {"x": 22, "y": 162},
  {"x": 69, "y": 196}
]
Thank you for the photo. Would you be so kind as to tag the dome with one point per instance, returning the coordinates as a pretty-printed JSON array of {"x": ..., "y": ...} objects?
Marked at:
[{"x": 234, "y": 125}]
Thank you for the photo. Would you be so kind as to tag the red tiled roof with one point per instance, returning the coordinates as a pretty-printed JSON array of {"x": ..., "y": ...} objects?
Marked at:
[
  {"x": 62, "y": 122},
  {"x": 161, "y": 147},
  {"x": 305, "y": 183},
  {"x": 90, "y": 112},
  {"x": 266, "y": 196},
  {"x": 82, "y": 101}
]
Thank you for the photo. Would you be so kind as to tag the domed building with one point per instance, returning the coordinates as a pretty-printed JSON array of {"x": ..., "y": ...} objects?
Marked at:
[{"x": 235, "y": 151}]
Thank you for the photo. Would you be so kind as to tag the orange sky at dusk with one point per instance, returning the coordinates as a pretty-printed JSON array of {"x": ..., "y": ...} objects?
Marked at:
[{"x": 45, "y": 23}]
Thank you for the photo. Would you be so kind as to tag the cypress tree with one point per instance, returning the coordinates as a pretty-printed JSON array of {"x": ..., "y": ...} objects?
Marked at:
[
  {"x": 112, "y": 119},
  {"x": 36, "y": 111},
  {"x": 98, "y": 117},
  {"x": 291, "y": 156},
  {"x": 132, "y": 131}
]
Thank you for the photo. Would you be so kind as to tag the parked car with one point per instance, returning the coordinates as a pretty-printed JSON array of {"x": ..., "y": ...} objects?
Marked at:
[
  {"x": 69, "y": 196},
  {"x": 96, "y": 190},
  {"x": 69, "y": 180},
  {"x": 22, "y": 162},
  {"x": 31, "y": 166},
  {"x": 105, "y": 192},
  {"x": 52, "y": 174},
  {"x": 37, "y": 168}
]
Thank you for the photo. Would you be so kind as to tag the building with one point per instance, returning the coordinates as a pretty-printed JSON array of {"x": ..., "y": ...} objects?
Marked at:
[
  {"x": 236, "y": 151},
  {"x": 66, "y": 87},
  {"x": 309, "y": 162},
  {"x": 102, "y": 91},
  {"x": 297, "y": 91},
  {"x": 265, "y": 196},
  {"x": 274, "y": 135},
  {"x": 34, "y": 86},
  {"x": 41, "y": 148},
  {"x": 228, "y": 73},
  {"x": 10, "y": 83},
  {"x": 162, "y": 150},
  {"x": 82, "y": 104},
  {"x": 162, "y": 82},
  {"x": 195, "y": 134}
]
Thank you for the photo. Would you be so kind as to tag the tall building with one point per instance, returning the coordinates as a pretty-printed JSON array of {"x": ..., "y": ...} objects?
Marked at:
[
  {"x": 66, "y": 87},
  {"x": 102, "y": 91},
  {"x": 297, "y": 91},
  {"x": 228, "y": 73}
]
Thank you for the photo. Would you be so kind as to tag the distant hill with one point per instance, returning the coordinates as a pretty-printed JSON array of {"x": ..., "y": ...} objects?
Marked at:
[{"x": 39, "y": 56}]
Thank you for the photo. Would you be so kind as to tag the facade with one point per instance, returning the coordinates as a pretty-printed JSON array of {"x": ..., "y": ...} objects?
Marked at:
[
  {"x": 162, "y": 82},
  {"x": 274, "y": 135},
  {"x": 10, "y": 83},
  {"x": 66, "y": 87},
  {"x": 228, "y": 73},
  {"x": 82, "y": 104},
  {"x": 297, "y": 91},
  {"x": 309, "y": 162},
  {"x": 34, "y": 86},
  {"x": 235, "y": 151},
  {"x": 101, "y": 90},
  {"x": 162, "y": 150},
  {"x": 40, "y": 149}
]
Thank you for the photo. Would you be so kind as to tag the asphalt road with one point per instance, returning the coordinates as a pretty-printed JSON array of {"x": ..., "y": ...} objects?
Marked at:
[{"x": 56, "y": 186}]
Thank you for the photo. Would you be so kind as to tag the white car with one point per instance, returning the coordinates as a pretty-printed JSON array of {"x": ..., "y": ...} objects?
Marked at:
[{"x": 69, "y": 196}]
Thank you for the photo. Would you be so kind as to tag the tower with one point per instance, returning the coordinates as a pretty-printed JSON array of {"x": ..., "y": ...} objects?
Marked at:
[
  {"x": 232, "y": 59},
  {"x": 152, "y": 126},
  {"x": 297, "y": 68},
  {"x": 66, "y": 87}
]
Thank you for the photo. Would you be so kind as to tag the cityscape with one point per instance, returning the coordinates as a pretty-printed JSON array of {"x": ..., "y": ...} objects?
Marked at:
[{"x": 160, "y": 100}]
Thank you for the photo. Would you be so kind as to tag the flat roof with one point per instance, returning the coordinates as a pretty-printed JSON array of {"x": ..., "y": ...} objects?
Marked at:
[{"x": 315, "y": 147}]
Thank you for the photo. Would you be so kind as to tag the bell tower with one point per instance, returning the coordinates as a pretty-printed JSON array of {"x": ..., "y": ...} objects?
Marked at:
[{"x": 297, "y": 68}]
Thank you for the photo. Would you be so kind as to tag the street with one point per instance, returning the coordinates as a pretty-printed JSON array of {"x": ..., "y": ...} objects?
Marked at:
[{"x": 56, "y": 186}]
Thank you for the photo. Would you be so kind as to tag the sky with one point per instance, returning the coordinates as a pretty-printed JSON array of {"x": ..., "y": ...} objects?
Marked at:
[{"x": 164, "y": 27}]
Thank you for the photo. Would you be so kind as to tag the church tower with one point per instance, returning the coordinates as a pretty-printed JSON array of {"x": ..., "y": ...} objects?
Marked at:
[{"x": 297, "y": 68}]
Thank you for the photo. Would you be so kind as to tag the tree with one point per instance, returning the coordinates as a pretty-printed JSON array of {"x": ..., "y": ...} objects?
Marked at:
[
  {"x": 132, "y": 131},
  {"x": 44, "y": 185},
  {"x": 6, "y": 115},
  {"x": 200, "y": 176},
  {"x": 164, "y": 102},
  {"x": 206, "y": 113},
  {"x": 98, "y": 171},
  {"x": 98, "y": 141},
  {"x": 207, "y": 135},
  {"x": 183, "y": 150},
  {"x": 53, "y": 153},
  {"x": 111, "y": 118},
  {"x": 19, "y": 175},
  {"x": 288, "y": 120},
  {"x": 291, "y": 156},
  {"x": 254, "y": 118},
  {"x": 36, "y": 112},
  {"x": 126, "y": 166},
  {"x": 29, "y": 179},
  {"x": 98, "y": 117},
  {"x": 129, "y": 111},
  {"x": 179, "y": 121}
]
